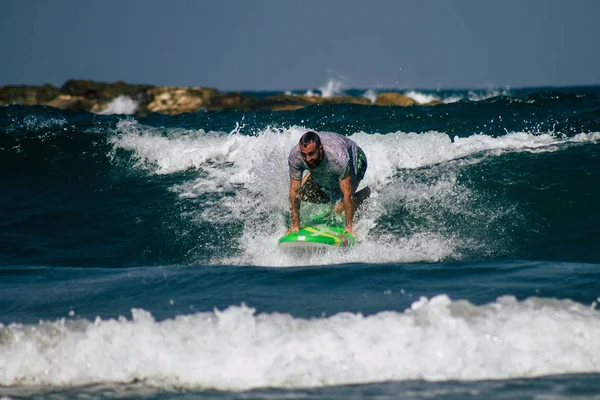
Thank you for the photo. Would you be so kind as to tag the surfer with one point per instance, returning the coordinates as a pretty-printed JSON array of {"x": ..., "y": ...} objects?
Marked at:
[{"x": 335, "y": 166}]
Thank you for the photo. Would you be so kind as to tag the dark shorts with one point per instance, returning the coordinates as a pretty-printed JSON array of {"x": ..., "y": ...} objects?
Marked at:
[
  {"x": 361, "y": 166},
  {"x": 313, "y": 192}
]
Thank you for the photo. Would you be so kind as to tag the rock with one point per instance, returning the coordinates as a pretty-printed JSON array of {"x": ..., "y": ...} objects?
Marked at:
[
  {"x": 66, "y": 101},
  {"x": 394, "y": 99},
  {"x": 346, "y": 100},
  {"x": 28, "y": 95},
  {"x": 294, "y": 102},
  {"x": 231, "y": 100},
  {"x": 103, "y": 91},
  {"x": 287, "y": 102},
  {"x": 176, "y": 100}
]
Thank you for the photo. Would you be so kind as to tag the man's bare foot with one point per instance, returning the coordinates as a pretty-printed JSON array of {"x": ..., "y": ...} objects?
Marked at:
[
  {"x": 293, "y": 229},
  {"x": 351, "y": 232}
]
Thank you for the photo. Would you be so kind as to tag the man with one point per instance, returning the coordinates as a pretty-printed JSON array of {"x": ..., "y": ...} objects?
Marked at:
[{"x": 335, "y": 166}]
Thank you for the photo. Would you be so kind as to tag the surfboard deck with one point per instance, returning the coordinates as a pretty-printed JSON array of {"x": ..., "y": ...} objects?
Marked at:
[
  {"x": 324, "y": 231},
  {"x": 317, "y": 236}
]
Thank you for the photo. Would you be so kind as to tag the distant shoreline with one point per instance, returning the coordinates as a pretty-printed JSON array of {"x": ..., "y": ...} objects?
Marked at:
[
  {"x": 141, "y": 99},
  {"x": 97, "y": 97}
]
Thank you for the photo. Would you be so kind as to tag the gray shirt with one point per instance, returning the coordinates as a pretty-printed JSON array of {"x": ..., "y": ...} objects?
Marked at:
[{"x": 340, "y": 160}]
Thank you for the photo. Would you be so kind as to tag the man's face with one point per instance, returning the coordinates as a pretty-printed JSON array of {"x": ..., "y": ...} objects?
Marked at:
[{"x": 312, "y": 154}]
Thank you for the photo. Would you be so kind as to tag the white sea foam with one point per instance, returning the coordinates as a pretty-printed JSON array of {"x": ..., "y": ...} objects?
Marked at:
[
  {"x": 121, "y": 105},
  {"x": 435, "y": 339},
  {"x": 249, "y": 177},
  {"x": 472, "y": 95},
  {"x": 333, "y": 87},
  {"x": 487, "y": 94},
  {"x": 370, "y": 94},
  {"x": 422, "y": 98}
]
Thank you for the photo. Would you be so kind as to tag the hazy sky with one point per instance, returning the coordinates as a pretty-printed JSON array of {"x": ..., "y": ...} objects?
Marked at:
[{"x": 281, "y": 44}]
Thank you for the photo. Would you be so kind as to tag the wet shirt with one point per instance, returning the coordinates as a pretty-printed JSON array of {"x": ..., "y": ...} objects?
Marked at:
[{"x": 339, "y": 161}]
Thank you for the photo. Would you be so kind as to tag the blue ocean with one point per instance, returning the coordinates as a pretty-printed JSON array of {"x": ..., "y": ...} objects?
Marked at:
[{"x": 139, "y": 258}]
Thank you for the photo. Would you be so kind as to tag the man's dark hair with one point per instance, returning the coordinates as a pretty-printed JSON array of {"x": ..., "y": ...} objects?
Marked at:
[{"x": 310, "y": 137}]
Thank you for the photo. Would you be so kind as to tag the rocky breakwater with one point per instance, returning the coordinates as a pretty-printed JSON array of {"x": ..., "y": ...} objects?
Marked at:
[
  {"x": 78, "y": 95},
  {"x": 91, "y": 96}
]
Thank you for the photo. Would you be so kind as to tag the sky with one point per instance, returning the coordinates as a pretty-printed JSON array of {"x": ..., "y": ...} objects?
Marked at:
[{"x": 242, "y": 45}]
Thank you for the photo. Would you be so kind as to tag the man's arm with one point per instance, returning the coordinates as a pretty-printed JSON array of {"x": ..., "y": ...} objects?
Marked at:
[
  {"x": 295, "y": 205},
  {"x": 346, "y": 188}
]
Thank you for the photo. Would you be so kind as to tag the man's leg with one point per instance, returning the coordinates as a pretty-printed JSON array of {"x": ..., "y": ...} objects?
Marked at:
[{"x": 363, "y": 194}]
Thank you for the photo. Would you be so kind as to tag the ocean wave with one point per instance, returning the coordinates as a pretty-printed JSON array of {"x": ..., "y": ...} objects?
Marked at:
[
  {"x": 436, "y": 339},
  {"x": 181, "y": 149},
  {"x": 246, "y": 177}
]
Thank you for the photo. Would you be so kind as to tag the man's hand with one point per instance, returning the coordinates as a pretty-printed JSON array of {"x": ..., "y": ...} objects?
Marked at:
[
  {"x": 348, "y": 201},
  {"x": 350, "y": 231}
]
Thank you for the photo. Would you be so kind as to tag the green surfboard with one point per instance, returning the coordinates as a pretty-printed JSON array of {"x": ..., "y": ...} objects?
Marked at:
[{"x": 325, "y": 230}]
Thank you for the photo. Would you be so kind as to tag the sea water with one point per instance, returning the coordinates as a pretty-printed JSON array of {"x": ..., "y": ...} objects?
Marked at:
[{"x": 138, "y": 255}]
